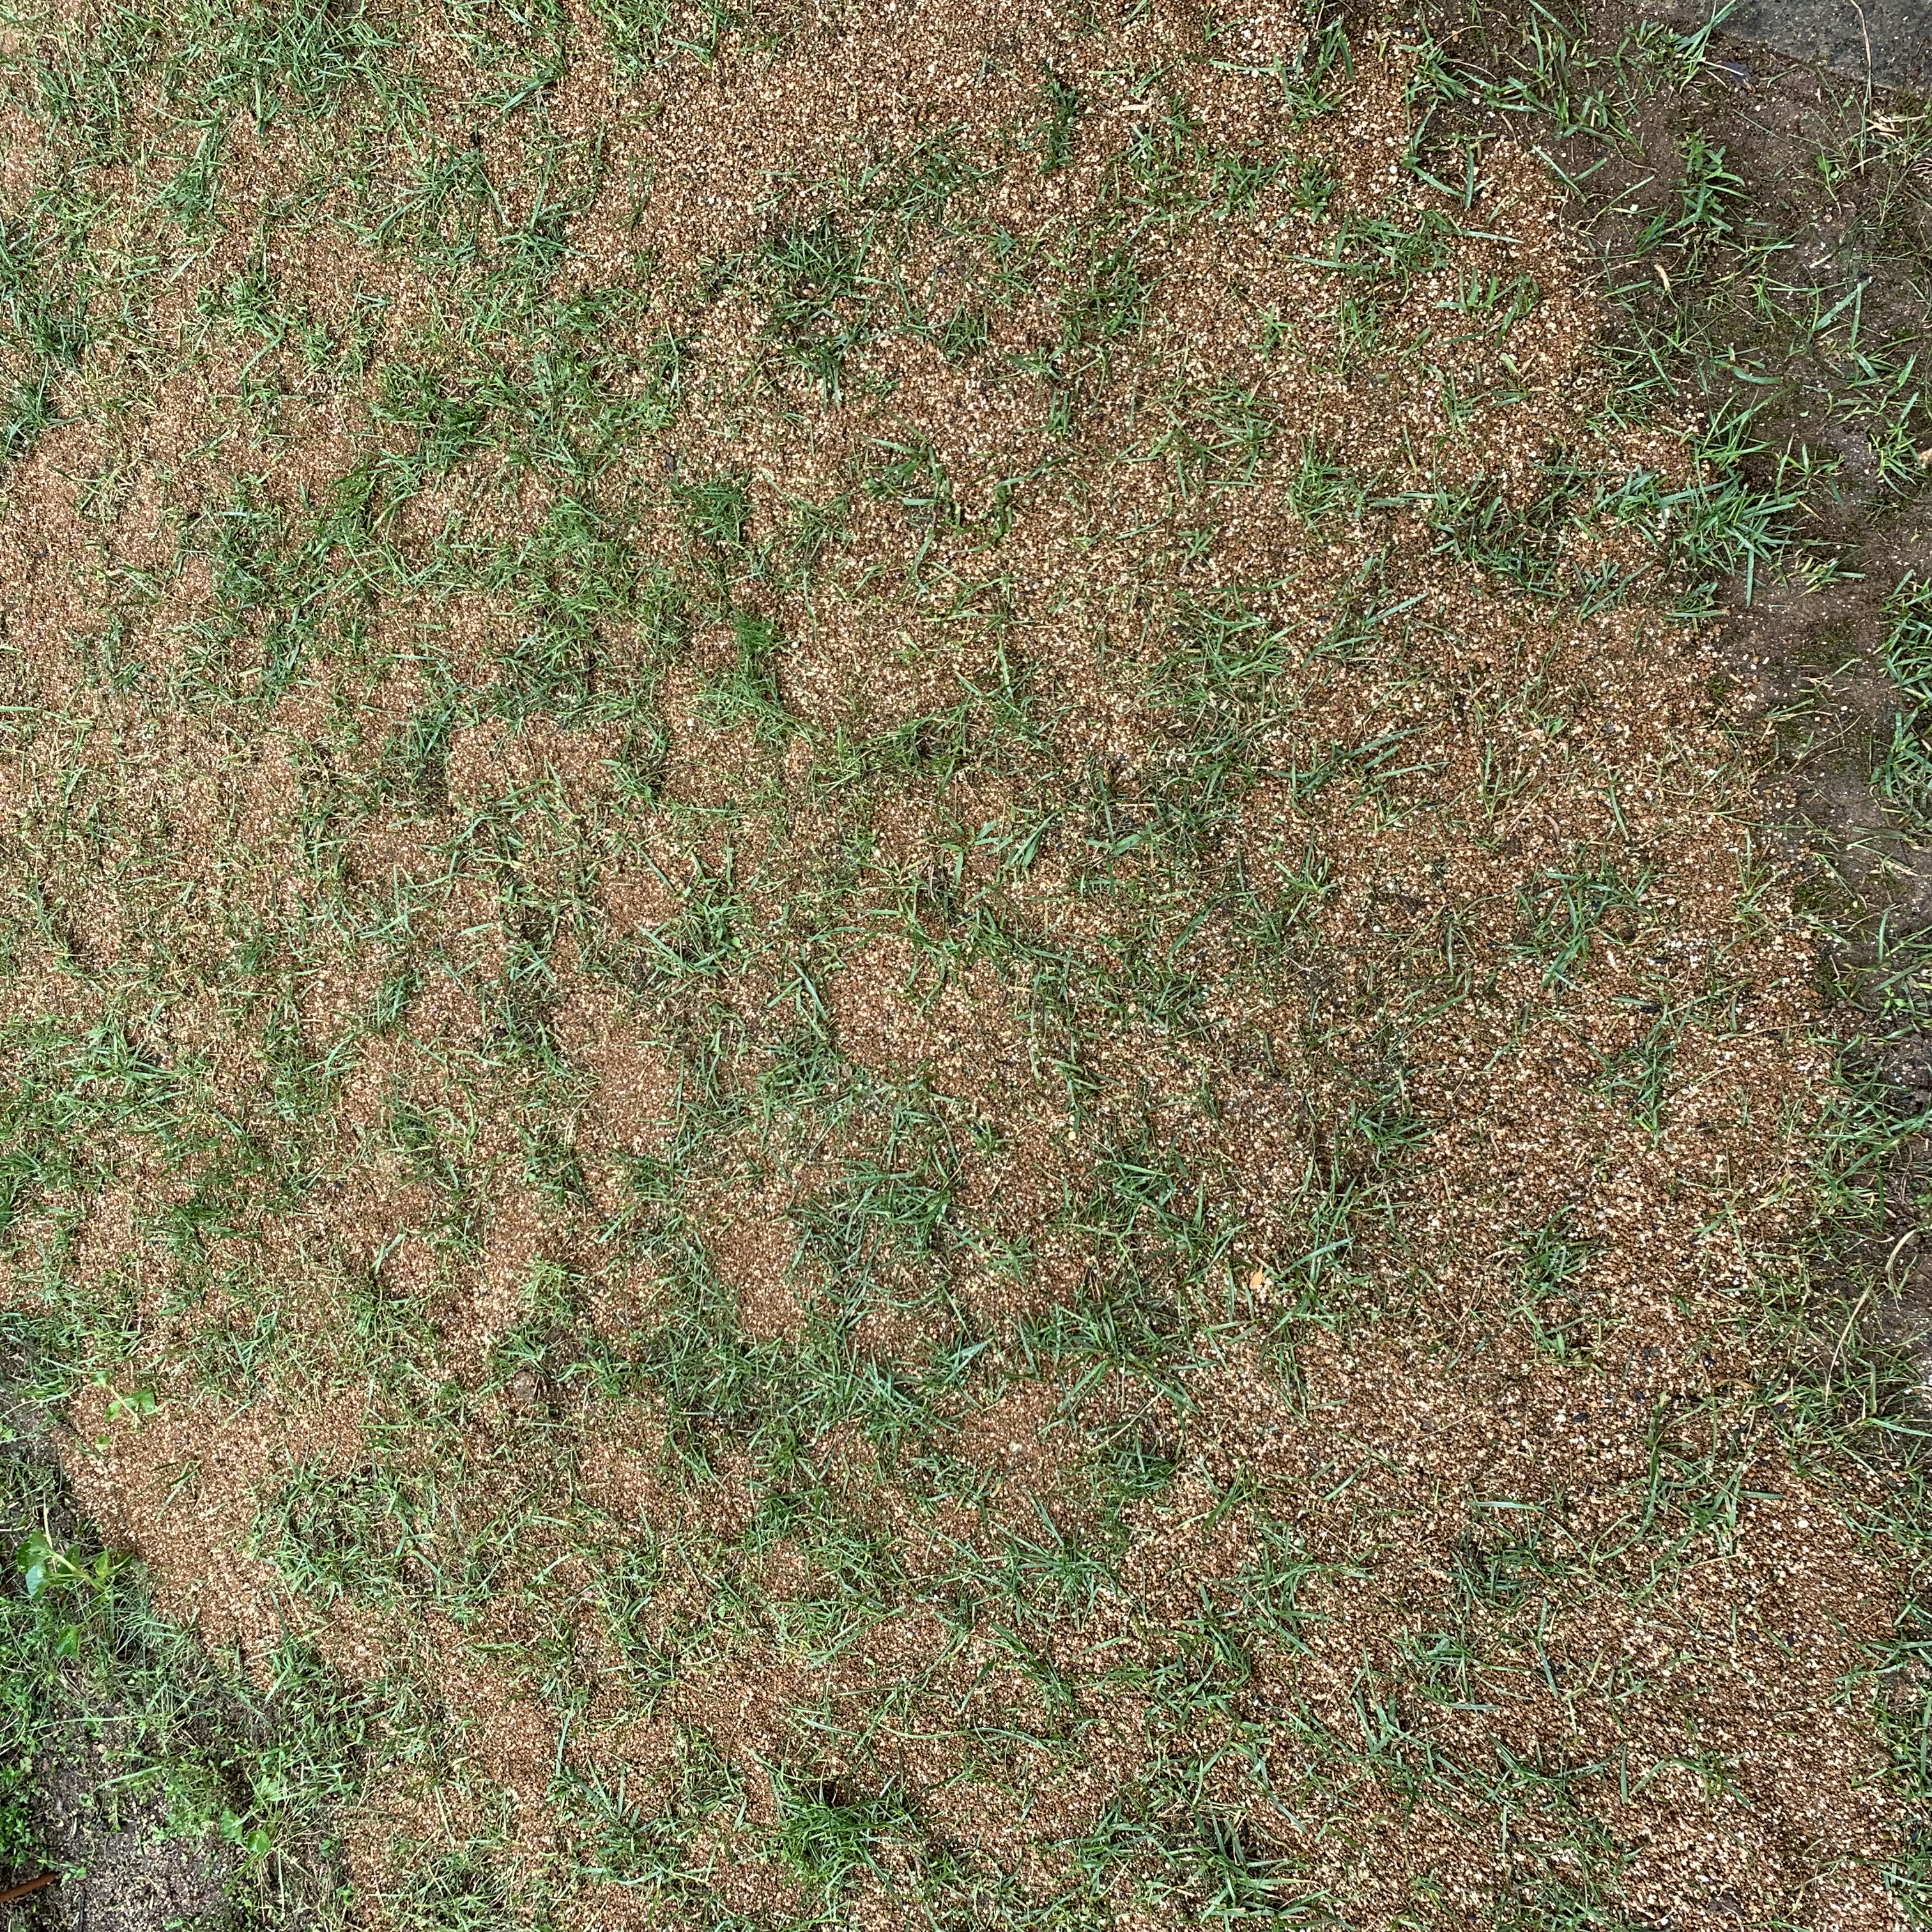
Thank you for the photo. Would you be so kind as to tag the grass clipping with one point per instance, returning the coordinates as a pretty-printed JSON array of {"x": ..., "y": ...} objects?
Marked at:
[{"x": 881, "y": 989}]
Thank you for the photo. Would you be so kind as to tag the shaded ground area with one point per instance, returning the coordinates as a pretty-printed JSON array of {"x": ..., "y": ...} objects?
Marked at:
[
  {"x": 1888, "y": 42},
  {"x": 927, "y": 1000}
]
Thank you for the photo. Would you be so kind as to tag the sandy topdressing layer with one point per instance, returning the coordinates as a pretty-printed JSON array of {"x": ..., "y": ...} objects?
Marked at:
[{"x": 885, "y": 989}]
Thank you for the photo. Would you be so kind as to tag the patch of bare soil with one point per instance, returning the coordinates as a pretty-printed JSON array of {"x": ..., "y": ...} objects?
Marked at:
[{"x": 133, "y": 1877}]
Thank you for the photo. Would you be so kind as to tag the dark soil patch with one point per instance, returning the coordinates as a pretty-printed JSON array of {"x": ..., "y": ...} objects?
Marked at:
[
  {"x": 1888, "y": 42},
  {"x": 128, "y": 1879}
]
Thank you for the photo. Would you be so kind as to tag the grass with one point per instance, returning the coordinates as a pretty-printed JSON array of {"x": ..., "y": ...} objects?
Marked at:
[{"x": 861, "y": 1372}]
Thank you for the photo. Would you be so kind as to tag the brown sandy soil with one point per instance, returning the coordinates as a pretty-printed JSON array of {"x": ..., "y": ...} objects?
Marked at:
[{"x": 851, "y": 1006}]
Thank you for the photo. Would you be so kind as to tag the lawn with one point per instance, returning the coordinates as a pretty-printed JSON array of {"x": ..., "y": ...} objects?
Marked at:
[{"x": 964, "y": 965}]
